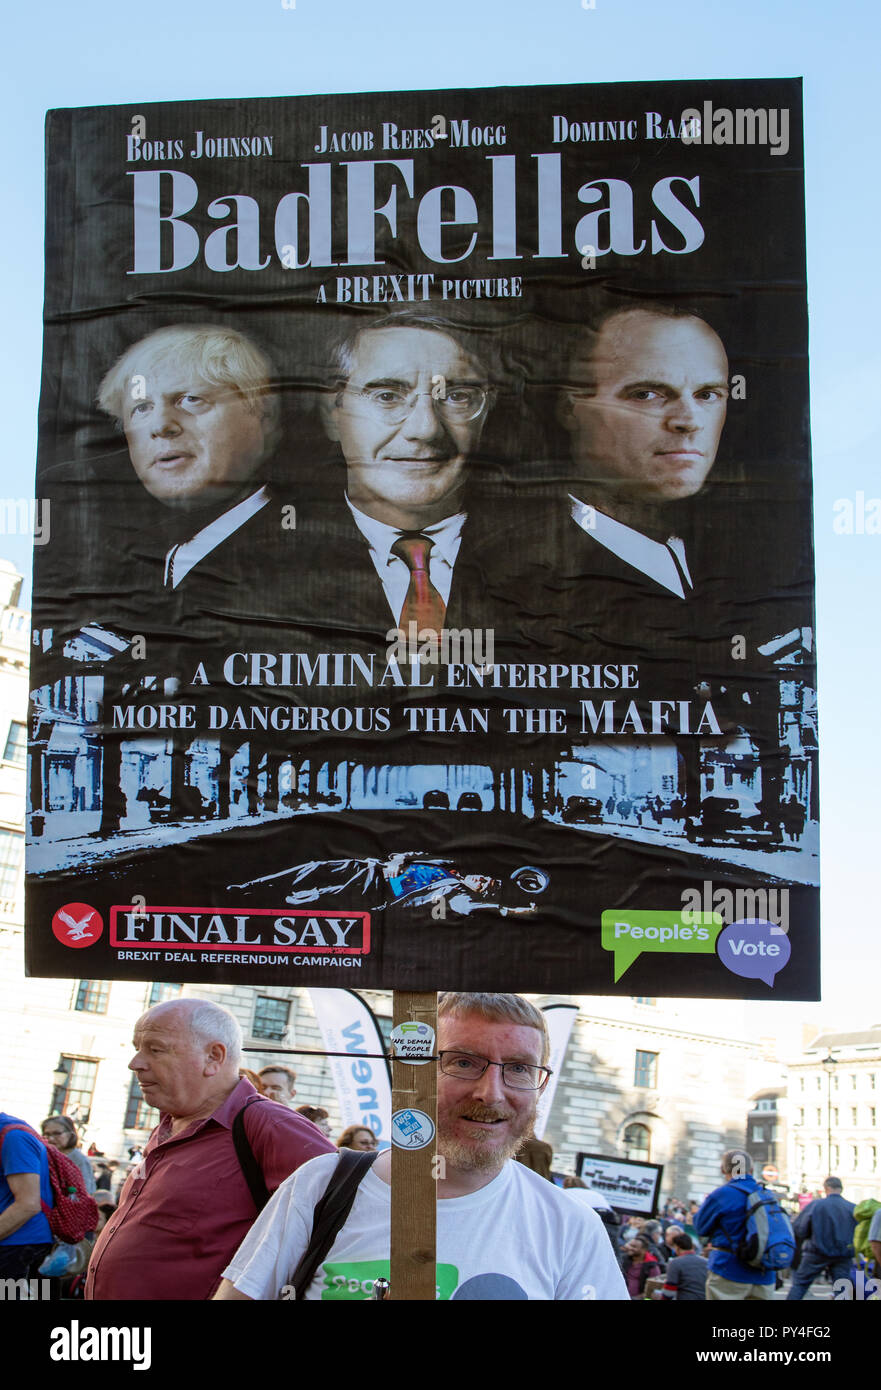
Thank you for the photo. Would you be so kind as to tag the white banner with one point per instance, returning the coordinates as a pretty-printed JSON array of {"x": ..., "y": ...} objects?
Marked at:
[
  {"x": 559, "y": 1018},
  {"x": 362, "y": 1083}
]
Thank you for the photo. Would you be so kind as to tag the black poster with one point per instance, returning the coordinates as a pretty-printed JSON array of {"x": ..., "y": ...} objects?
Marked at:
[{"x": 426, "y": 594}]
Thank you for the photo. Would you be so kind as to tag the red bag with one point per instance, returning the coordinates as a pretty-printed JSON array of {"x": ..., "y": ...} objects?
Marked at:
[{"x": 74, "y": 1212}]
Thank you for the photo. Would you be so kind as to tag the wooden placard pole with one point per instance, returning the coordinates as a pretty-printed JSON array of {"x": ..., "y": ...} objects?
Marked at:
[{"x": 414, "y": 1171}]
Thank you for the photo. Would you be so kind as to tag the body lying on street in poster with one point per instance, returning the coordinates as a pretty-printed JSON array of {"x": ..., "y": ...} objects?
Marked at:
[{"x": 430, "y": 552}]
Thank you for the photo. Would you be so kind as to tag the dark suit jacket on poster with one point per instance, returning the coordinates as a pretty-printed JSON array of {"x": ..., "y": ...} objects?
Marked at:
[
  {"x": 335, "y": 599},
  {"x": 587, "y": 605}
]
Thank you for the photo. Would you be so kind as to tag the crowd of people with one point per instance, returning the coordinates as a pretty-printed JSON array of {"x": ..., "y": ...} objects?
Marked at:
[
  {"x": 506, "y": 1230},
  {"x": 699, "y": 1251}
]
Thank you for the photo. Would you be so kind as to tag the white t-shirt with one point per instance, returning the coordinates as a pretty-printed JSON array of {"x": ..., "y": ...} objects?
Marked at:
[{"x": 518, "y": 1237}]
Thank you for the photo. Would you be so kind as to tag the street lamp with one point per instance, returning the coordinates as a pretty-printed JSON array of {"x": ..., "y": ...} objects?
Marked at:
[
  {"x": 829, "y": 1064},
  {"x": 60, "y": 1080}
]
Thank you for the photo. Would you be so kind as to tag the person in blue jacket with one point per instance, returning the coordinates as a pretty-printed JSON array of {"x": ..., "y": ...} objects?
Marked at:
[
  {"x": 721, "y": 1219},
  {"x": 25, "y": 1237},
  {"x": 826, "y": 1226}
]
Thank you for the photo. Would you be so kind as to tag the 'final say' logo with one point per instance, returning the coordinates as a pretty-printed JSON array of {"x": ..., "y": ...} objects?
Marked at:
[{"x": 77, "y": 924}]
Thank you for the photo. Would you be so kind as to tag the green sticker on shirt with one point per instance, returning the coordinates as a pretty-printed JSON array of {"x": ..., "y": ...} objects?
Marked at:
[{"x": 355, "y": 1279}]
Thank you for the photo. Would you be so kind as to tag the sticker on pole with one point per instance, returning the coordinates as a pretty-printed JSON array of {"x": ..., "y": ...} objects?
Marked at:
[
  {"x": 413, "y": 1042},
  {"x": 412, "y": 1129}
]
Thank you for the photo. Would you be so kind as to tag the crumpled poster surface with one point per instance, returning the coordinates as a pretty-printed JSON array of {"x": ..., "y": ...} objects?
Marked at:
[{"x": 427, "y": 589}]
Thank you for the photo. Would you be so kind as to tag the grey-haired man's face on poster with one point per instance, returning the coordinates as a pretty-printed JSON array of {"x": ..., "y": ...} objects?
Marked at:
[{"x": 406, "y": 449}]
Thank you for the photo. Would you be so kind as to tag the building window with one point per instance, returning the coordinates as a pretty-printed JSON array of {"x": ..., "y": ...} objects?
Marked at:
[
  {"x": 637, "y": 1142},
  {"x": 11, "y": 843},
  {"x": 271, "y": 1018},
  {"x": 853, "y": 1080},
  {"x": 758, "y": 1135},
  {"x": 854, "y": 1157},
  {"x": 91, "y": 996},
  {"x": 801, "y": 1117},
  {"x": 138, "y": 1114},
  {"x": 16, "y": 745},
  {"x": 835, "y": 1080},
  {"x": 853, "y": 1114},
  {"x": 819, "y": 1116},
  {"x": 836, "y": 1160},
  {"x": 160, "y": 992},
  {"x": 645, "y": 1072},
  {"x": 872, "y": 1081},
  {"x": 819, "y": 1081},
  {"x": 835, "y": 1114},
  {"x": 873, "y": 1158},
  {"x": 74, "y": 1097},
  {"x": 801, "y": 1083},
  {"x": 872, "y": 1113}
]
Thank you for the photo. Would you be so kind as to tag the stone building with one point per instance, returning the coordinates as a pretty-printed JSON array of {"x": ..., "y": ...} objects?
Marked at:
[
  {"x": 834, "y": 1103},
  {"x": 657, "y": 1080},
  {"x": 766, "y": 1131}
]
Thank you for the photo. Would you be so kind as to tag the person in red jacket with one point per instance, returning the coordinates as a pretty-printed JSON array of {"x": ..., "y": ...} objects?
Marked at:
[
  {"x": 637, "y": 1265},
  {"x": 187, "y": 1205}
]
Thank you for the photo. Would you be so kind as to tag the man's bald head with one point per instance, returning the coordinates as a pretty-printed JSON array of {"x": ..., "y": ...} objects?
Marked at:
[
  {"x": 206, "y": 1021},
  {"x": 187, "y": 1057}
]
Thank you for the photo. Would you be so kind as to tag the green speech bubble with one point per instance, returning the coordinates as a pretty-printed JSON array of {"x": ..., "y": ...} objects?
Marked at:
[{"x": 628, "y": 934}]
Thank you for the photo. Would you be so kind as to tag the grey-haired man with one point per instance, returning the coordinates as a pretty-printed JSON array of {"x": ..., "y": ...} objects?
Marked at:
[{"x": 187, "y": 1206}]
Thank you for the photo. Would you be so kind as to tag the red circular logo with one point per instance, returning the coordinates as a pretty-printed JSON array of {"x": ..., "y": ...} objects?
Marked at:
[{"x": 77, "y": 924}]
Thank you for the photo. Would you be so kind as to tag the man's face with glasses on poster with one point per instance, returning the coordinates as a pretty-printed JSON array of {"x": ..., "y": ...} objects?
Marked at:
[
  {"x": 490, "y": 1078},
  {"x": 407, "y": 418}
]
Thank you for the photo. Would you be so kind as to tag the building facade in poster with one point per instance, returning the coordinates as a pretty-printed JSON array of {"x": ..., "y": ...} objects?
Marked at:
[{"x": 429, "y": 589}]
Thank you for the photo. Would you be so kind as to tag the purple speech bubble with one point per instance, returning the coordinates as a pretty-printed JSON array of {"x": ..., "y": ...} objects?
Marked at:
[{"x": 754, "y": 948}]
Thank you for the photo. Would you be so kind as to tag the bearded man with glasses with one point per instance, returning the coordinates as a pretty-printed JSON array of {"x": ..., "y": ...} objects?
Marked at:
[{"x": 502, "y": 1231}]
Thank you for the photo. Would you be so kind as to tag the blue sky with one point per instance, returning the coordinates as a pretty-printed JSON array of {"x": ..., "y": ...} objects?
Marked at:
[{"x": 97, "y": 52}]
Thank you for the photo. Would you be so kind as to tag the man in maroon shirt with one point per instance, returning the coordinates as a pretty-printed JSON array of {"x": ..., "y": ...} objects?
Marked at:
[{"x": 186, "y": 1207}]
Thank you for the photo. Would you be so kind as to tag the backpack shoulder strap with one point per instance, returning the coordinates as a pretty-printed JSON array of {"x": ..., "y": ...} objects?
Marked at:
[
  {"x": 330, "y": 1214},
  {"x": 26, "y": 1128},
  {"x": 251, "y": 1170}
]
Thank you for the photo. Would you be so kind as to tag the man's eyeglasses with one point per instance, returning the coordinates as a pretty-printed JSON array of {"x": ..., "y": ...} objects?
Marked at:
[
  {"x": 519, "y": 1076},
  {"x": 456, "y": 404}
]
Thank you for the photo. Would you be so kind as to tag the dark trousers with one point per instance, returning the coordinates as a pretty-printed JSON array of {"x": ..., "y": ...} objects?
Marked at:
[
  {"x": 22, "y": 1261},
  {"x": 811, "y": 1265}
]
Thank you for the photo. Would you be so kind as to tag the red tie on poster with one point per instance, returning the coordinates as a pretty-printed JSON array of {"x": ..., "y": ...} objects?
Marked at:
[{"x": 423, "y": 604}]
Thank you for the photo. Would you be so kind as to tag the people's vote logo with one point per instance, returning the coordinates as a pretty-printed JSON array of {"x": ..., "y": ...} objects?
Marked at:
[
  {"x": 77, "y": 924},
  {"x": 754, "y": 949}
]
